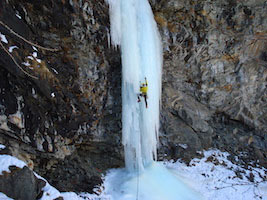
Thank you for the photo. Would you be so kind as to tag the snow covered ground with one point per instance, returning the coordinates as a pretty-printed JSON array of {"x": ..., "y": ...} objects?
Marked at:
[
  {"x": 217, "y": 178},
  {"x": 213, "y": 176}
]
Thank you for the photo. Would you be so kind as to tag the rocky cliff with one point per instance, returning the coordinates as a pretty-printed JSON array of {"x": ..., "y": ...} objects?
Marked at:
[
  {"x": 60, "y": 107},
  {"x": 60, "y": 88},
  {"x": 214, "y": 81}
]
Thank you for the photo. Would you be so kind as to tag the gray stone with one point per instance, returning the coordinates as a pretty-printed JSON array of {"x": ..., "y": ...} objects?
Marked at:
[
  {"x": 214, "y": 63},
  {"x": 21, "y": 184}
]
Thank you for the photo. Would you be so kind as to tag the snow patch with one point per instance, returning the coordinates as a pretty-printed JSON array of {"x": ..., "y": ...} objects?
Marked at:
[
  {"x": 34, "y": 54},
  {"x": 34, "y": 93},
  {"x": 10, "y": 49},
  {"x": 184, "y": 146},
  {"x": 18, "y": 16},
  {"x": 54, "y": 70},
  {"x": 4, "y": 197},
  {"x": 34, "y": 48},
  {"x": 217, "y": 178},
  {"x": 30, "y": 57},
  {"x": 49, "y": 192},
  {"x": 6, "y": 161},
  {"x": 2, "y": 146},
  {"x": 26, "y": 63},
  {"x": 3, "y": 38}
]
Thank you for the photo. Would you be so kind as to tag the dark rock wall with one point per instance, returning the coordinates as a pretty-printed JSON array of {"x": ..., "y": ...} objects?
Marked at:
[
  {"x": 66, "y": 123},
  {"x": 62, "y": 115}
]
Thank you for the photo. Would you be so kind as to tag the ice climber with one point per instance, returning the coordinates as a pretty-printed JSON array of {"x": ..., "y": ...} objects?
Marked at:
[{"x": 143, "y": 92}]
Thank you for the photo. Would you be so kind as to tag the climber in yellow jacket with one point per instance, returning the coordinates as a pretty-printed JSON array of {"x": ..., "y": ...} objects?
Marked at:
[{"x": 143, "y": 92}]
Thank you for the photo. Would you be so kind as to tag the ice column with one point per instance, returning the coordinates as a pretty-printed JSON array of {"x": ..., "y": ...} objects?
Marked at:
[{"x": 133, "y": 28}]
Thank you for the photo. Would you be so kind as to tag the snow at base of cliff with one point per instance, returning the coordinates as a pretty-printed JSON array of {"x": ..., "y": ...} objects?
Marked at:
[{"x": 213, "y": 176}]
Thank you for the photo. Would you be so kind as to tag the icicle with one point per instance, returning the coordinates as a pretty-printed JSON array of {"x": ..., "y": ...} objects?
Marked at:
[
  {"x": 115, "y": 21},
  {"x": 141, "y": 53},
  {"x": 134, "y": 29}
]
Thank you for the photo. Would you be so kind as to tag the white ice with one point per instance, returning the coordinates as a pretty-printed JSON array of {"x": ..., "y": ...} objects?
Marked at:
[
  {"x": 10, "y": 49},
  {"x": 3, "y": 38},
  {"x": 133, "y": 28},
  {"x": 156, "y": 182}
]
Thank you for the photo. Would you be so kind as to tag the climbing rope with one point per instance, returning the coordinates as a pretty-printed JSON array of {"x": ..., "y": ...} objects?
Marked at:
[
  {"x": 137, "y": 189},
  {"x": 2, "y": 46},
  {"x": 25, "y": 40}
]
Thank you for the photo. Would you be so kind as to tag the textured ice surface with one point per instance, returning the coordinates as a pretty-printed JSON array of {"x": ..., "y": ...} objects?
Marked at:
[
  {"x": 156, "y": 182},
  {"x": 134, "y": 29}
]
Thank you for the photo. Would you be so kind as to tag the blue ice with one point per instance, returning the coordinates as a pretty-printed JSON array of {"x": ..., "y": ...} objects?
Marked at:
[{"x": 134, "y": 29}]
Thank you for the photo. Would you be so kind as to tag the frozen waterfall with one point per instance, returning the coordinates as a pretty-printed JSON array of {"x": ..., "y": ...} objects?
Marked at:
[{"x": 134, "y": 29}]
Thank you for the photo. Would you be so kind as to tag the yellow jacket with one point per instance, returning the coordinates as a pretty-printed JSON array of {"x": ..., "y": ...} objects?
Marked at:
[{"x": 143, "y": 88}]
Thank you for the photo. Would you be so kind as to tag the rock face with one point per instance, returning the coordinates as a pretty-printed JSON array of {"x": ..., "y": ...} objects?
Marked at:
[
  {"x": 60, "y": 107},
  {"x": 21, "y": 184},
  {"x": 214, "y": 81}
]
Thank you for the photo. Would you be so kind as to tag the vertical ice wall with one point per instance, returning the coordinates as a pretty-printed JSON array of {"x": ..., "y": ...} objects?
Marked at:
[{"x": 134, "y": 29}]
